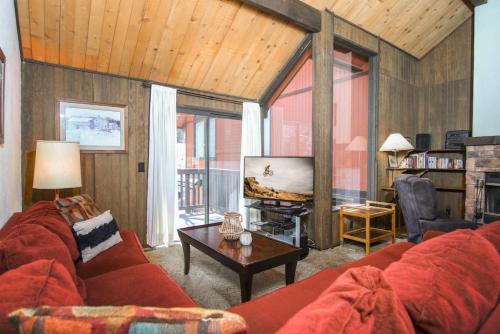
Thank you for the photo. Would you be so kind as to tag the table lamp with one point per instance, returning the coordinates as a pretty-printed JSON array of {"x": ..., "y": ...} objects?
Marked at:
[
  {"x": 57, "y": 165},
  {"x": 395, "y": 143}
]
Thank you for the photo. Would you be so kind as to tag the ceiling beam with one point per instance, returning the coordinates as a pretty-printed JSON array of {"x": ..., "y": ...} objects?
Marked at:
[
  {"x": 474, "y": 3},
  {"x": 293, "y": 11}
]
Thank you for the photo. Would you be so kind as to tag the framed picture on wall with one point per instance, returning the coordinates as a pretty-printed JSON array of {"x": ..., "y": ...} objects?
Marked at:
[
  {"x": 98, "y": 127},
  {"x": 2, "y": 96}
]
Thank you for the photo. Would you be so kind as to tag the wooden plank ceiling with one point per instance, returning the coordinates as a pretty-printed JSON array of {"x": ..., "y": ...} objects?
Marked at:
[
  {"x": 219, "y": 46},
  {"x": 415, "y": 26}
]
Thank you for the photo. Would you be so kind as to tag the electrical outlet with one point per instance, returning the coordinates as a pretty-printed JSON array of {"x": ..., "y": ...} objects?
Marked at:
[{"x": 140, "y": 167}]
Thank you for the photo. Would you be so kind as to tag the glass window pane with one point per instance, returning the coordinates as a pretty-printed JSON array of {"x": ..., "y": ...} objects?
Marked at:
[
  {"x": 225, "y": 168},
  {"x": 350, "y": 126},
  {"x": 288, "y": 125},
  {"x": 212, "y": 140},
  {"x": 191, "y": 185},
  {"x": 200, "y": 139}
]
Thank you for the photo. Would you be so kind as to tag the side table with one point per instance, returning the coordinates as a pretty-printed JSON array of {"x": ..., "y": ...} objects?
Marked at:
[{"x": 368, "y": 234}]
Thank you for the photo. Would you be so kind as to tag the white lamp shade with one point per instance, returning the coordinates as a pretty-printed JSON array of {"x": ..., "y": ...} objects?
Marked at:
[
  {"x": 57, "y": 165},
  {"x": 396, "y": 142}
]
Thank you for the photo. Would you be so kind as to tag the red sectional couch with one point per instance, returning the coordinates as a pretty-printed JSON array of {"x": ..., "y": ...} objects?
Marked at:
[
  {"x": 123, "y": 275},
  {"x": 268, "y": 313}
]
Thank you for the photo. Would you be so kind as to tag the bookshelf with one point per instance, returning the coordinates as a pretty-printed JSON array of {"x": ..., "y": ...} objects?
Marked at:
[
  {"x": 449, "y": 150},
  {"x": 422, "y": 171},
  {"x": 448, "y": 170}
]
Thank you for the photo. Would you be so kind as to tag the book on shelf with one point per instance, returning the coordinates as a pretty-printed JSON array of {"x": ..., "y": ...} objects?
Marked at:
[
  {"x": 424, "y": 161},
  {"x": 432, "y": 162}
]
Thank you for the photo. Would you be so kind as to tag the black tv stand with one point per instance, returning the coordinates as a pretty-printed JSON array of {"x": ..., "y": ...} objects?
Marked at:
[
  {"x": 276, "y": 203},
  {"x": 287, "y": 227},
  {"x": 293, "y": 209}
]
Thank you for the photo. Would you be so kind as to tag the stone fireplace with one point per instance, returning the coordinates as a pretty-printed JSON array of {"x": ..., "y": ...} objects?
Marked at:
[
  {"x": 482, "y": 179},
  {"x": 491, "y": 197}
]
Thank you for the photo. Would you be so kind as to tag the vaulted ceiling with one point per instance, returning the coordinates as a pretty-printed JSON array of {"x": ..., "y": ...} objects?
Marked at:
[
  {"x": 219, "y": 46},
  {"x": 415, "y": 26}
]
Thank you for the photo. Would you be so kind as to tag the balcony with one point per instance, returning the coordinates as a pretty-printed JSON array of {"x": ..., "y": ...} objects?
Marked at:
[{"x": 223, "y": 194}]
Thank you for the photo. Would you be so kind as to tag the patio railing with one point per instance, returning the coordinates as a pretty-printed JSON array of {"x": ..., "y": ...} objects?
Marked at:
[{"x": 223, "y": 189}]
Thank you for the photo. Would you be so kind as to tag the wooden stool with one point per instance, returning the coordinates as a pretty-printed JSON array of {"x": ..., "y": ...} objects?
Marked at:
[{"x": 368, "y": 234}]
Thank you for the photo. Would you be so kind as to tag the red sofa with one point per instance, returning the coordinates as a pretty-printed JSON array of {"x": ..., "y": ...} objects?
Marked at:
[
  {"x": 122, "y": 275},
  {"x": 268, "y": 313}
]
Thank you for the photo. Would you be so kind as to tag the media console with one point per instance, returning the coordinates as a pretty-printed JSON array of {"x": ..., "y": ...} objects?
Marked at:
[{"x": 282, "y": 222}]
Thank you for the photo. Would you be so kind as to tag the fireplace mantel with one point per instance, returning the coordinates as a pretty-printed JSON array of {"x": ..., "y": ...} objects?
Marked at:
[{"x": 480, "y": 141}]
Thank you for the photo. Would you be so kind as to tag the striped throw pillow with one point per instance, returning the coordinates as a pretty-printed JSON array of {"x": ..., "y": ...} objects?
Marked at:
[{"x": 97, "y": 234}]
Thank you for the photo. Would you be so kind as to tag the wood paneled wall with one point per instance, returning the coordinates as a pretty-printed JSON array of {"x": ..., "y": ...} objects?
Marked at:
[
  {"x": 444, "y": 80},
  {"x": 396, "y": 103},
  {"x": 112, "y": 179},
  {"x": 433, "y": 96},
  {"x": 355, "y": 35},
  {"x": 444, "y": 100}
]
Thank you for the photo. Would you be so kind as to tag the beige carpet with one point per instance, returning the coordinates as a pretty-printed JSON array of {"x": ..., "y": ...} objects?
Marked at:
[{"x": 211, "y": 285}]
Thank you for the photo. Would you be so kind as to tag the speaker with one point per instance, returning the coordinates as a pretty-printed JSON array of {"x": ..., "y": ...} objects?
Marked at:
[
  {"x": 456, "y": 138},
  {"x": 423, "y": 142}
]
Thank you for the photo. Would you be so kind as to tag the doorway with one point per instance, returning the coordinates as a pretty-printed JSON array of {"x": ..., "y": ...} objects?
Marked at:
[{"x": 208, "y": 165}]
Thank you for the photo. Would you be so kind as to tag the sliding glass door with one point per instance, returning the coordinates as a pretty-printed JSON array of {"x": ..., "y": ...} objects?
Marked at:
[
  {"x": 224, "y": 167},
  {"x": 208, "y": 166},
  {"x": 191, "y": 177}
]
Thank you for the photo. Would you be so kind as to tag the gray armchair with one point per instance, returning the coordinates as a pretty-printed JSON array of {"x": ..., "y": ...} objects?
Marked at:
[{"x": 417, "y": 199}]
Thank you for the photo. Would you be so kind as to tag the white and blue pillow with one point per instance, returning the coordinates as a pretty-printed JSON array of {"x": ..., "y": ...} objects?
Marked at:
[{"x": 97, "y": 234}]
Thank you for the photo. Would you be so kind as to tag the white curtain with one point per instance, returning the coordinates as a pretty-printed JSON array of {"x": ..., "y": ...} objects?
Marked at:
[
  {"x": 162, "y": 206},
  {"x": 250, "y": 141}
]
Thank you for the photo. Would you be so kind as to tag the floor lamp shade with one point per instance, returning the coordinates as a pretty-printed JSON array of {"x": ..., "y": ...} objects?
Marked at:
[{"x": 57, "y": 165}]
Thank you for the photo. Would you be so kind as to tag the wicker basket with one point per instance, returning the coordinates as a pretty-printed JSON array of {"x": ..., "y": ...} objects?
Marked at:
[{"x": 231, "y": 228}]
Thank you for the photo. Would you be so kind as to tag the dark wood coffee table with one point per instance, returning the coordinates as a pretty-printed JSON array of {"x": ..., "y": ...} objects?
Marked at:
[{"x": 264, "y": 253}]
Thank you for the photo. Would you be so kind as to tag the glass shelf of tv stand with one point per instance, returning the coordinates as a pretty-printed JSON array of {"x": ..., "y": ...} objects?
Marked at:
[
  {"x": 290, "y": 235},
  {"x": 288, "y": 239}
]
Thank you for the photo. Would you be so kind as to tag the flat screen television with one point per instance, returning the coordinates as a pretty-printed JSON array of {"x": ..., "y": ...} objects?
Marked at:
[{"x": 288, "y": 179}]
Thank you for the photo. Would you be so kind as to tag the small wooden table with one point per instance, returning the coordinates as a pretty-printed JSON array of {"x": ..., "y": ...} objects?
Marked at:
[
  {"x": 264, "y": 253},
  {"x": 368, "y": 234}
]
